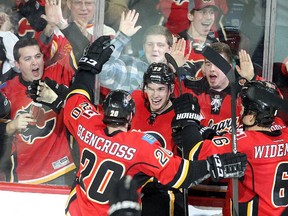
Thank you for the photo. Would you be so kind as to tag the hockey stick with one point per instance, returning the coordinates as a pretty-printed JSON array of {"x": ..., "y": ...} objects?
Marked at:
[
  {"x": 172, "y": 61},
  {"x": 216, "y": 59}
]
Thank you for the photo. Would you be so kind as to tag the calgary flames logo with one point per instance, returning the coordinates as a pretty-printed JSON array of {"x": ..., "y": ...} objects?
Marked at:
[{"x": 44, "y": 126}]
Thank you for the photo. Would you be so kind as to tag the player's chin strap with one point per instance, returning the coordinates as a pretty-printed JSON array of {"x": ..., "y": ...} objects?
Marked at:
[{"x": 216, "y": 59}]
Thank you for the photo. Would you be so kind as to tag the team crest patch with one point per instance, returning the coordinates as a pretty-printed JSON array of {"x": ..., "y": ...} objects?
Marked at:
[{"x": 149, "y": 138}]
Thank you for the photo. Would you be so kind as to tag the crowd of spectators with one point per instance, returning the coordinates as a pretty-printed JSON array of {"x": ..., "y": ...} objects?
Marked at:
[{"x": 42, "y": 41}]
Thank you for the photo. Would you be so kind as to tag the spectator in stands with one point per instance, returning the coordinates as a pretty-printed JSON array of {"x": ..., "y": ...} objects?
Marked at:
[
  {"x": 7, "y": 42},
  {"x": 82, "y": 12},
  {"x": 201, "y": 15},
  {"x": 213, "y": 91},
  {"x": 125, "y": 71},
  {"x": 40, "y": 148},
  {"x": 52, "y": 41}
]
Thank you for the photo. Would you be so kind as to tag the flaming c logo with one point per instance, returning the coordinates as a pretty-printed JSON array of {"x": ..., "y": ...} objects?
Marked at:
[{"x": 44, "y": 126}]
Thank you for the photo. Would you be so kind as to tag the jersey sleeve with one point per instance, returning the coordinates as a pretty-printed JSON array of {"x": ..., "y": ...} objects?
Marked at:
[{"x": 80, "y": 111}]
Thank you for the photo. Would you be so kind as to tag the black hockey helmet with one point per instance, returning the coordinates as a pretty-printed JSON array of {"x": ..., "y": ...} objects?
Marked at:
[
  {"x": 265, "y": 113},
  {"x": 159, "y": 73},
  {"x": 118, "y": 106}
]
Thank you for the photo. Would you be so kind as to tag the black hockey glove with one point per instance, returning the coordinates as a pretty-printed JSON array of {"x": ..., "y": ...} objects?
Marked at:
[
  {"x": 53, "y": 96},
  {"x": 209, "y": 133},
  {"x": 95, "y": 55},
  {"x": 228, "y": 165},
  {"x": 124, "y": 198},
  {"x": 33, "y": 10},
  {"x": 187, "y": 111}
]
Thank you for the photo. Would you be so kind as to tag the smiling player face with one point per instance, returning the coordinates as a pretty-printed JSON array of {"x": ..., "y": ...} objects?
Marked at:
[{"x": 158, "y": 96}]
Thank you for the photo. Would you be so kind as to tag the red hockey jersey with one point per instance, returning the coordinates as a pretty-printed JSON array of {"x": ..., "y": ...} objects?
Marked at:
[
  {"x": 106, "y": 158},
  {"x": 157, "y": 125},
  {"x": 263, "y": 191}
]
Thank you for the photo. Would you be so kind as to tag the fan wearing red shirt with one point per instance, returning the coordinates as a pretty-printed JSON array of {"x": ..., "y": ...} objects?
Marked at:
[{"x": 40, "y": 148}]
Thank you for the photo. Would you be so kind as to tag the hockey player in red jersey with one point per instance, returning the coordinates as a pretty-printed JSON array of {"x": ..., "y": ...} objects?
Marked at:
[
  {"x": 153, "y": 103},
  {"x": 263, "y": 189},
  {"x": 110, "y": 150},
  {"x": 154, "y": 110}
]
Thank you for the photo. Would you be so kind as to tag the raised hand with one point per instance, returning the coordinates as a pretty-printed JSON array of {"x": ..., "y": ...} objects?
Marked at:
[
  {"x": 5, "y": 23},
  {"x": 128, "y": 22},
  {"x": 96, "y": 55},
  {"x": 178, "y": 52},
  {"x": 246, "y": 69},
  {"x": 53, "y": 13}
]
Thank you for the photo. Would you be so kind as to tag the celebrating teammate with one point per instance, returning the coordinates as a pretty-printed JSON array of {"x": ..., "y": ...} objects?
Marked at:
[
  {"x": 262, "y": 191},
  {"x": 154, "y": 110},
  {"x": 110, "y": 150}
]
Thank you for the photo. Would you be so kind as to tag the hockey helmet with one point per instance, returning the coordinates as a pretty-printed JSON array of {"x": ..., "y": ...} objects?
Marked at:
[
  {"x": 159, "y": 73},
  {"x": 265, "y": 113},
  {"x": 118, "y": 106}
]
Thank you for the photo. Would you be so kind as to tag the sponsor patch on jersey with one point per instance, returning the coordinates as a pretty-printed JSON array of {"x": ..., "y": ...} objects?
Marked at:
[
  {"x": 60, "y": 163},
  {"x": 149, "y": 138}
]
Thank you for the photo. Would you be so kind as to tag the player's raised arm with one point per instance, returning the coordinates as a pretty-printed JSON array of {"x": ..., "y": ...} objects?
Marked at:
[{"x": 90, "y": 64}]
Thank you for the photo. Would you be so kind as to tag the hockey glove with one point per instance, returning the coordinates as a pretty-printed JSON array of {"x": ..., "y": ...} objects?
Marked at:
[
  {"x": 49, "y": 93},
  {"x": 209, "y": 133},
  {"x": 95, "y": 55},
  {"x": 33, "y": 10},
  {"x": 187, "y": 111},
  {"x": 228, "y": 165},
  {"x": 124, "y": 199}
]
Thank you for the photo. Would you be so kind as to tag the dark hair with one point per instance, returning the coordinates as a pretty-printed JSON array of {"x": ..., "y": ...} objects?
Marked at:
[
  {"x": 159, "y": 30},
  {"x": 23, "y": 42},
  {"x": 223, "y": 48}
]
